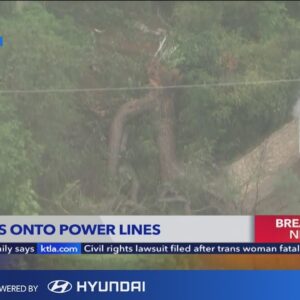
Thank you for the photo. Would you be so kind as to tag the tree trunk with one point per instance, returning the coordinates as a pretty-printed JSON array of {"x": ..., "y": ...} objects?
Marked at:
[
  {"x": 158, "y": 75},
  {"x": 166, "y": 139},
  {"x": 162, "y": 76},
  {"x": 127, "y": 110}
]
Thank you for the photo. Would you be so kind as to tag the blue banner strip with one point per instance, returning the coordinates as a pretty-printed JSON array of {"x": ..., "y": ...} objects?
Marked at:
[{"x": 144, "y": 285}]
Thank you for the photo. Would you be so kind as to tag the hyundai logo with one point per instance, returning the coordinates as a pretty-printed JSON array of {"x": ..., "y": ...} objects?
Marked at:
[{"x": 59, "y": 286}]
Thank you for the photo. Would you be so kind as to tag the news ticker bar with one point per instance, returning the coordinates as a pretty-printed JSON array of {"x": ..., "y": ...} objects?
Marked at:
[
  {"x": 149, "y": 229},
  {"x": 146, "y": 248},
  {"x": 144, "y": 285}
]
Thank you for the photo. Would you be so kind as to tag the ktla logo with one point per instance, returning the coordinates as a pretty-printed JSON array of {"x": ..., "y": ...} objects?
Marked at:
[{"x": 59, "y": 286}]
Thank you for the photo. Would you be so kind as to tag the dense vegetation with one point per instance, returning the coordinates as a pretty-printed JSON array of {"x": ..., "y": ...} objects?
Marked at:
[{"x": 66, "y": 152}]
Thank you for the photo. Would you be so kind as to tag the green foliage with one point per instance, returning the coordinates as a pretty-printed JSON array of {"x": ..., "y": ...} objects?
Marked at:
[
  {"x": 52, "y": 49},
  {"x": 255, "y": 19},
  {"x": 45, "y": 53},
  {"x": 53, "y": 146},
  {"x": 235, "y": 117},
  {"x": 18, "y": 159}
]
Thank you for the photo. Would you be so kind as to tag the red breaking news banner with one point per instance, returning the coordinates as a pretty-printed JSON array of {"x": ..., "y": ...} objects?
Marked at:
[{"x": 277, "y": 229}]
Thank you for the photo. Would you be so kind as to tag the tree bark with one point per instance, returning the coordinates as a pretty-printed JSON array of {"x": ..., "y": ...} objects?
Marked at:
[
  {"x": 127, "y": 110},
  {"x": 166, "y": 139},
  {"x": 158, "y": 76}
]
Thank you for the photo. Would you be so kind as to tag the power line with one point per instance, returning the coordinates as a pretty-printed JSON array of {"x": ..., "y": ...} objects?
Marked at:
[{"x": 181, "y": 86}]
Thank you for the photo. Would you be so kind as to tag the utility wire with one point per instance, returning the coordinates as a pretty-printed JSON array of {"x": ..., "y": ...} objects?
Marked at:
[{"x": 181, "y": 86}]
